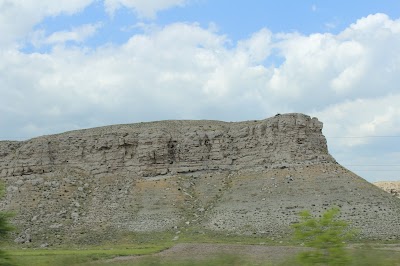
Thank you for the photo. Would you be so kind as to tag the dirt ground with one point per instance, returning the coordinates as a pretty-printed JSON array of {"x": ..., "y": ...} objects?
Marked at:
[
  {"x": 198, "y": 251},
  {"x": 257, "y": 253}
]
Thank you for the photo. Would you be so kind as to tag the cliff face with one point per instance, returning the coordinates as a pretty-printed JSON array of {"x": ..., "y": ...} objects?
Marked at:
[
  {"x": 248, "y": 177},
  {"x": 171, "y": 147}
]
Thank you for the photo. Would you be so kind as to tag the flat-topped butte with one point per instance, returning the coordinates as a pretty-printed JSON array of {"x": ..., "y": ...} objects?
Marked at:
[{"x": 249, "y": 178}]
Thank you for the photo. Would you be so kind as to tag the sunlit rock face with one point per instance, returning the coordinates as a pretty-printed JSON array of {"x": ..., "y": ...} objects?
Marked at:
[
  {"x": 392, "y": 187},
  {"x": 171, "y": 147}
]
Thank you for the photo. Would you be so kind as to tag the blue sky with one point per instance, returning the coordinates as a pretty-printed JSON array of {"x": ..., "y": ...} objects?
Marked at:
[
  {"x": 237, "y": 19},
  {"x": 72, "y": 64}
]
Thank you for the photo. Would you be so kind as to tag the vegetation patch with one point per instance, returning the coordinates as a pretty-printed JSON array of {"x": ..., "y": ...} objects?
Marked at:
[{"x": 44, "y": 257}]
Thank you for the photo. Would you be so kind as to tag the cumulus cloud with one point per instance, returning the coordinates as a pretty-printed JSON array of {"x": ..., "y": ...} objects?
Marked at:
[
  {"x": 184, "y": 71},
  {"x": 143, "y": 8},
  {"x": 18, "y": 17},
  {"x": 31, "y": 12},
  {"x": 362, "y": 118},
  {"x": 321, "y": 69},
  {"x": 180, "y": 71}
]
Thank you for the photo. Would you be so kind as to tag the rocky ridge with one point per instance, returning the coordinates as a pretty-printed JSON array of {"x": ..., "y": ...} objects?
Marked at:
[
  {"x": 170, "y": 147},
  {"x": 249, "y": 177}
]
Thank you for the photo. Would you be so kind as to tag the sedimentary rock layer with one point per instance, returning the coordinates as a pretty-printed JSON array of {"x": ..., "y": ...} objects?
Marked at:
[{"x": 171, "y": 147}]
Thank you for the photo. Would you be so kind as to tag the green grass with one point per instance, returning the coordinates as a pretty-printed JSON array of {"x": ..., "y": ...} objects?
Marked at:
[
  {"x": 220, "y": 260},
  {"x": 44, "y": 257},
  {"x": 144, "y": 244},
  {"x": 135, "y": 244},
  {"x": 360, "y": 257}
]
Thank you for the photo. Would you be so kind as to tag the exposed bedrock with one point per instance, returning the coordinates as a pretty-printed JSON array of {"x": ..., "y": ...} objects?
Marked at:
[
  {"x": 249, "y": 177},
  {"x": 170, "y": 147}
]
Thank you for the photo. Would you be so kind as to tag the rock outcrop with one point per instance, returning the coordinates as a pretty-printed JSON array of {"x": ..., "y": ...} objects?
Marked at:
[
  {"x": 170, "y": 147},
  {"x": 248, "y": 177},
  {"x": 392, "y": 187}
]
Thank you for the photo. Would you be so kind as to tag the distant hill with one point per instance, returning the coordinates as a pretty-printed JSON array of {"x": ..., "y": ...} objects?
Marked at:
[
  {"x": 393, "y": 187},
  {"x": 236, "y": 178}
]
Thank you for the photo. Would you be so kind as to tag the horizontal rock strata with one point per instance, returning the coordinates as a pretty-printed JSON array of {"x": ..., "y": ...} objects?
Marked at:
[{"x": 171, "y": 147}]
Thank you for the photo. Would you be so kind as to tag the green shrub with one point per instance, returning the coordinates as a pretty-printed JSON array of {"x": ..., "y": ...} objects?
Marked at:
[{"x": 326, "y": 235}]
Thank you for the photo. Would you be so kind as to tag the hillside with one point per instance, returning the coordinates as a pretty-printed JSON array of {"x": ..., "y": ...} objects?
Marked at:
[{"x": 246, "y": 178}]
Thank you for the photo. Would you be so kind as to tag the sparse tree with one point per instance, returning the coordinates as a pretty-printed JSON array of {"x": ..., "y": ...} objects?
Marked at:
[{"x": 327, "y": 236}]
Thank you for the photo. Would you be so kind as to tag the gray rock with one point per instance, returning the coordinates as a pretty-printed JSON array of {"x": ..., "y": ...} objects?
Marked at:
[{"x": 243, "y": 177}]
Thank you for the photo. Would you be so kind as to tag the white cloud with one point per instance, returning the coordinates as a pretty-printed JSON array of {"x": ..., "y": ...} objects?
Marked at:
[
  {"x": 330, "y": 25},
  {"x": 258, "y": 47},
  {"x": 143, "y": 8},
  {"x": 376, "y": 24},
  {"x": 362, "y": 118},
  {"x": 78, "y": 34},
  {"x": 205, "y": 74},
  {"x": 349, "y": 80},
  {"x": 17, "y": 17},
  {"x": 360, "y": 62},
  {"x": 180, "y": 71}
]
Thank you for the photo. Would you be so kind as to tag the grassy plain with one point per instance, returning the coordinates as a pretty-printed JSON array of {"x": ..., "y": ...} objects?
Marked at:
[
  {"x": 148, "y": 244},
  {"x": 101, "y": 257},
  {"x": 50, "y": 257}
]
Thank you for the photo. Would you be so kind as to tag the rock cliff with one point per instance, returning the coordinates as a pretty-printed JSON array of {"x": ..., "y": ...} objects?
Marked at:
[
  {"x": 170, "y": 147},
  {"x": 248, "y": 177}
]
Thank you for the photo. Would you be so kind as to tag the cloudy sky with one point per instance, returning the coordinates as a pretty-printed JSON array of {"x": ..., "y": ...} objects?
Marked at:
[{"x": 71, "y": 64}]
